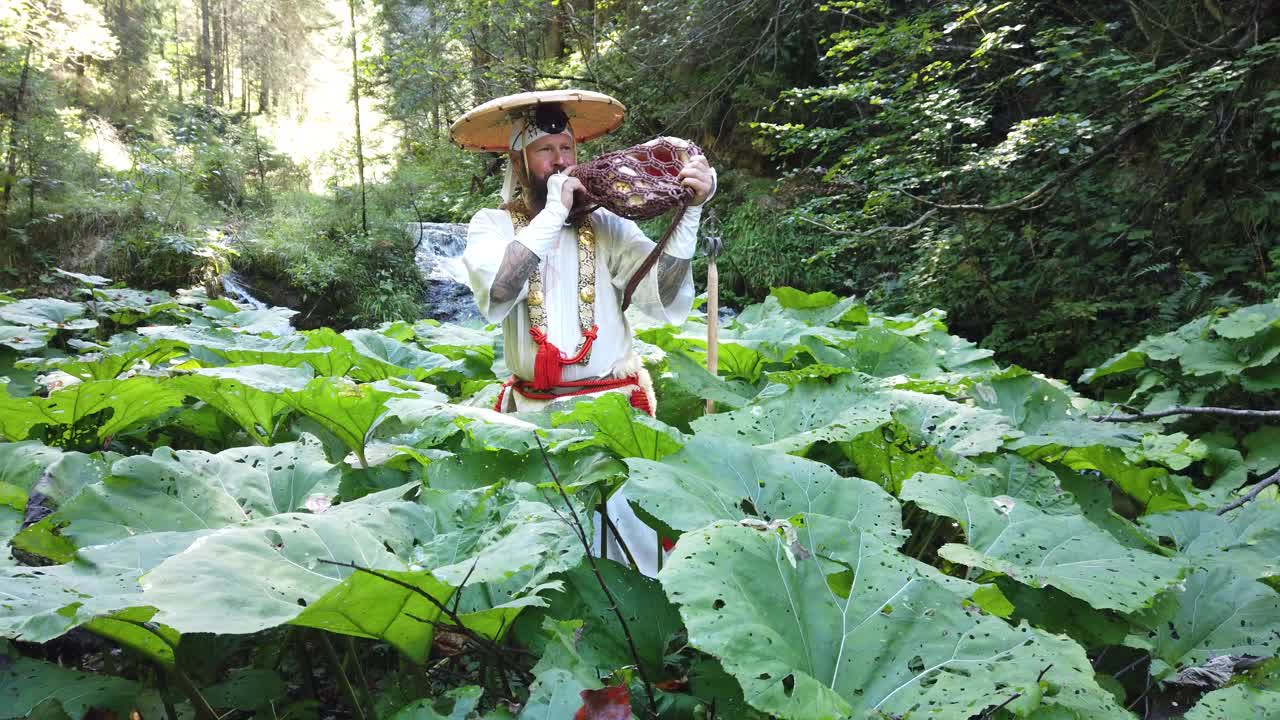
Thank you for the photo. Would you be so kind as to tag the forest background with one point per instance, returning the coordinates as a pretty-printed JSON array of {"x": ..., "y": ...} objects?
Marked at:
[{"x": 1062, "y": 178}]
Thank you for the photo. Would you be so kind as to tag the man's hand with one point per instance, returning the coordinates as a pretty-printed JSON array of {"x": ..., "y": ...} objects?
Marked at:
[
  {"x": 697, "y": 174},
  {"x": 564, "y": 185}
]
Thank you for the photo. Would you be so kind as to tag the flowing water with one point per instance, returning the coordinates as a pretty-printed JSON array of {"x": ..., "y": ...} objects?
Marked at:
[
  {"x": 233, "y": 287},
  {"x": 439, "y": 258}
]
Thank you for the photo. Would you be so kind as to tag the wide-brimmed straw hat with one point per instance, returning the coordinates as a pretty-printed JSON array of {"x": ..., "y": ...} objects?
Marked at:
[{"x": 487, "y": 128}]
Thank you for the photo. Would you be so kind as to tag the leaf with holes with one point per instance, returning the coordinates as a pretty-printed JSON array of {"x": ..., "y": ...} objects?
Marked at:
[
  {"x": 1246, "y": 540},
  {"x": 715, "y": 478},
  {"x": 1064, "y": 551},
  {"x": 1235, "y": 703},
  {"x": 1213, "y": 612},
  {"x": 887, "y": 639},
  {"x": 797, "y": 417}
]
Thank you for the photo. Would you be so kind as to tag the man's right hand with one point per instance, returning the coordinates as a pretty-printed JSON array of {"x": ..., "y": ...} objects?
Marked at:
[{"x": 563, "y": 186}]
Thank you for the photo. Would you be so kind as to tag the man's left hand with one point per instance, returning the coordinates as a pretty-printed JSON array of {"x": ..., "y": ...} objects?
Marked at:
[{"x": 697, "y": 174}]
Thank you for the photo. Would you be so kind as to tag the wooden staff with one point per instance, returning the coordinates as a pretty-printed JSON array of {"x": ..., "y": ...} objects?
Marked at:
[{"x": 714, "y": 244}]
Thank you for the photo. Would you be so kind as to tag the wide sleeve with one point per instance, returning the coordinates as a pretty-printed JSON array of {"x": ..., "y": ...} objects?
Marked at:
[
  {"x": 488, "y": 236},
  {"x": 630, "y": 247}
]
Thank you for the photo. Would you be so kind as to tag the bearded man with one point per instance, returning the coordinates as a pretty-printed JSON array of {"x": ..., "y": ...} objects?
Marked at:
[{"x": 557, "y": 288}]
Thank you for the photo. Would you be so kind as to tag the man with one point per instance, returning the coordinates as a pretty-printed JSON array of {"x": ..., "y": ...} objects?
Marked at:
[{"x": 557, "y": 288}]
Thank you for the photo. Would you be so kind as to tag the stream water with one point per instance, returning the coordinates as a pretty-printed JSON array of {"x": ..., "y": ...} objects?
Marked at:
[{"x": 439, "y": 258}]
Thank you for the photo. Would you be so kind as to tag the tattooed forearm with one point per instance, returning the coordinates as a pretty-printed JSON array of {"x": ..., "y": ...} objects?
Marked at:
[
  {"x": 512, "y": 274},
  {"x": 672, "y": 272}
]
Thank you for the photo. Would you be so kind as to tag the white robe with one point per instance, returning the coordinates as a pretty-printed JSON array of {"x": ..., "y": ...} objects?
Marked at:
[{"x": 621, "y": 246}]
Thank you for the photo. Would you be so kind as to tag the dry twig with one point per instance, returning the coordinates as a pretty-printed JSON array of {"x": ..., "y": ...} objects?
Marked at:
[
  {"x": 1254, "y": 492},
  {"x": 579, "y": 531}
]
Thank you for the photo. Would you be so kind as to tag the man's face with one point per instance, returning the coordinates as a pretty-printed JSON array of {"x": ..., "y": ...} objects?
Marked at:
[{"x": 548, "y": 155}]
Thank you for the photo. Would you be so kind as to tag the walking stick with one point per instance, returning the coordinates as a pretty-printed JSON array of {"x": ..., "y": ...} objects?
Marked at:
[{"x": 714, "y": 244}]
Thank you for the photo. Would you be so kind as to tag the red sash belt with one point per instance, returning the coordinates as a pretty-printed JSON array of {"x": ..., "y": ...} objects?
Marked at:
[{"x": 571, "y": 388}]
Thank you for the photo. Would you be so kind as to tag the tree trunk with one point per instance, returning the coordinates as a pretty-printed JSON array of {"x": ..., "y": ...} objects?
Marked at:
[
  {"x": 479, "y": 65},
  {"x": 225, "y": 65},
  {"x": 7, "y": 253},
  {"x": 217, "y": 17},
  {"x": 553, "y": 41},
  {"x": 205, "y": 60},
  {"x": 244, "y": 80},
  {"x": 177, "y": 51},
  {"x": 355, "y": 100}
]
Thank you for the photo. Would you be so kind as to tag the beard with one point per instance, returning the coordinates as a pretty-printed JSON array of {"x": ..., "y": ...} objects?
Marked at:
[{"x": 538, "y": 192}]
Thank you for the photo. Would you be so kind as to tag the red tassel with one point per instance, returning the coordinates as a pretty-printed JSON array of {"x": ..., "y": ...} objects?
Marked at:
[
  {"x": 640, "y": 401},
  {"x": 549, "y": 363}
]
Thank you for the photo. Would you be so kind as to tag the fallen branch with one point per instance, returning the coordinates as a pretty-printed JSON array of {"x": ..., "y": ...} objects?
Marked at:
[
  {"x": 579, "y": 531},
  {"x": 1253, "y": 493},
  {"x": 1186, "y": 410}
]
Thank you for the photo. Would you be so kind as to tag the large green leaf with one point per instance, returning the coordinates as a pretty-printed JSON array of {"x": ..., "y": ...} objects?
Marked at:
[
  {"x": 652, "y": 619},
  {"x": 880, "y": 352},
  {"x": 61, "y": 481},
  {"x": 1153, "y": 486},
  {"x": 125, "y": 352},
  {"x": 347, "y": 409},
  {"x": 622, "y": 428},
  {"x": 195, "y": 490},
  {"x": 26, "y": 684},
  {"x": 717, "y": 478},
  {"x": 1068, "y": 552},
  {"x": 251, "y": 395},
  {"x": 1213, "y": 612},
  {"x": 131, "y": 401},
  {"x": 273, "y": 320},
  {"x": 49, "y": 313},
  {"x": 886, "y": 639},
  {"x": 797, "y": 417},
  {"x": 264, "y": 573},
  {"x": 1045, "y": 414},
  {"x": 220, "y": 346},
  {"x": 42, "y": 603},
  {"x": 476, "y": 469},
  {"x": 778, "y": 332},
  {"x": 126, "y": 306},
  {"x": 298, "y": 473},
  {"x": 496, "y": 537},
  {"x": 382, "y": 357},
  {"x": 692, "y": 376},
  {"x": 365, "y": 605},
  {"x": 1246, "y": 540},
  {"x": 1022, "y": 479},
  {"x": 949, "y": 425},
  {"x": 433, "y": 421},
  {"x": 24, "y": 338},
  {"x": 1235, "y": 703}
]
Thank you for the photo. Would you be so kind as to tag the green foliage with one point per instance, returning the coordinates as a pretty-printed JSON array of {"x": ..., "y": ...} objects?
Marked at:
[
  {"x": 1080, "y": 158},
  {"x": 998, "y": 544},
  {"x": 313, "y": 251}
]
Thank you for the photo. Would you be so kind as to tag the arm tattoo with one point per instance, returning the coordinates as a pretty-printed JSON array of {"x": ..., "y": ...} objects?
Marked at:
[
  {"x": 512, "y": 274},
  {"x": 671, "y": 275}
]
